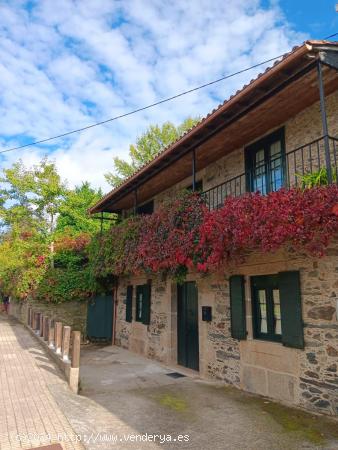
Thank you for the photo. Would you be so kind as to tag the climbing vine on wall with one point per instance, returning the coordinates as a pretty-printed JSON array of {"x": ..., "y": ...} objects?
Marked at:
[{"x": 183, "y": 234}]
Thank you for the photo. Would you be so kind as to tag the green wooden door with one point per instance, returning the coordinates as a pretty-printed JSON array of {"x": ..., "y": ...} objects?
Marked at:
[
  {"x": 100, "y": 318},
  {"x": 187, "y": 325}
]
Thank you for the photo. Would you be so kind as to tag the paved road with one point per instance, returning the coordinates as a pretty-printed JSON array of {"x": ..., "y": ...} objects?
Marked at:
[
  {"x": 126, "y": 400},
  {"x": 29, "y": 414},
  {"x": 138, "y": 396}
]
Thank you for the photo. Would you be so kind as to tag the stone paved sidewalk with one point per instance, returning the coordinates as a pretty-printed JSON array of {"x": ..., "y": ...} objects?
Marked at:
[{"x": 27, "y": 407}]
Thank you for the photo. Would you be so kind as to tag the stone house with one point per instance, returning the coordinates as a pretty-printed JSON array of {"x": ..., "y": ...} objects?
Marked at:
[{"x": 271, "y": 327}]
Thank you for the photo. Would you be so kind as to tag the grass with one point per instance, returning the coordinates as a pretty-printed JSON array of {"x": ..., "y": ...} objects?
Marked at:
[{"x": 173, "y": 402}]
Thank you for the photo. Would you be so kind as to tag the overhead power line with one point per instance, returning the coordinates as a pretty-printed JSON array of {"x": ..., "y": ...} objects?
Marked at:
[{"x": 165, "y": 100}]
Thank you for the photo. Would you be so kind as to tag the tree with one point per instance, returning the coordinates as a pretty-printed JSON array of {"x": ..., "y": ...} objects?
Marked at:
[
  {"x": 31, "y": 196},
  {"x": 45, "y": 234},
  {"x": 73, "y": 211},
  {"x": 147, "y": 146}
]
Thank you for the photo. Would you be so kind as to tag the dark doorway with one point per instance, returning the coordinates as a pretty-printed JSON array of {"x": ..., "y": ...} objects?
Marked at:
[
  {"x": 187, "y": 325},
  {"x": 100, "y": 318}
]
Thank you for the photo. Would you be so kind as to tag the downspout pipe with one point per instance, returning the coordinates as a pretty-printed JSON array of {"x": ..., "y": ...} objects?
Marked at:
[{"x": 115, "y": 311}]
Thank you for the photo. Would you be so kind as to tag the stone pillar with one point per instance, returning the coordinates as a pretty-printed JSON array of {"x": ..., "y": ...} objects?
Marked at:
[
  {"x": 65, "y": 342},
  {"x": 58, "y": 337},
  {"x": 41, "y": 324},
  {"x": 45, "y": 328},
  {"x": 38, "y": 321},
  {"x": 51, "y": 333},
  {"x": 76, "y": 345}
]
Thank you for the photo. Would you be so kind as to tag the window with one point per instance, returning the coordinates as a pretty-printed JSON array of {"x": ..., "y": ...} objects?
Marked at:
[
  {"x": 276, "y": 308},
  {"x": 265, "y": 163},
  {"x": 143, "y": 303},
  {"x": 146, "y": 208},
  {"x": 129, "y": 304},
  {"x": 266, "y": 307}
]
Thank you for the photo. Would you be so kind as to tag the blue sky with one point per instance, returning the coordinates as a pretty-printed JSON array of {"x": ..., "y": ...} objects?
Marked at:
[
  {"x": 67, "y": 66},
  {"x": 317, "y": 18}
]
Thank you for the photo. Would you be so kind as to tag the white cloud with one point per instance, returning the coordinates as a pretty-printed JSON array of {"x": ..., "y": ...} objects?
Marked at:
[{"x": 70, "y": 63}]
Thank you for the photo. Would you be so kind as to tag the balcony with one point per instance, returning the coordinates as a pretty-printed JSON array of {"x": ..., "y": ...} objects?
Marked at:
[{"x": 304, "y": 166}]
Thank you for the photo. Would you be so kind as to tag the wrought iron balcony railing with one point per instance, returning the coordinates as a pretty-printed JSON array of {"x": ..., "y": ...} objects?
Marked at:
[{"x": 307, "y": 165}]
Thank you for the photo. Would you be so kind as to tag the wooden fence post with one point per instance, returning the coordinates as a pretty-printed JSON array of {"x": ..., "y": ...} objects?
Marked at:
[
  {"x": 76, "y": 345},
  {"x": 58, "y": 336},
  {"x": 65, "y": 342}
]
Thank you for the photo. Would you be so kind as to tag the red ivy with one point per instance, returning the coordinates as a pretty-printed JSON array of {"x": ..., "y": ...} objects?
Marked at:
[
  {"x": 299, "y": 220},
  {"x": 70, "y": 243},
  {"x": 185, "y": 235}
]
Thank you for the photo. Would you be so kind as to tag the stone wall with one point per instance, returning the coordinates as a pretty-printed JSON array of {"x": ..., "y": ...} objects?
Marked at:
[
  {"x": 73, "y": 314},
  {"x": 308, "y": 378},
  {"x": 149, "y": 340}
]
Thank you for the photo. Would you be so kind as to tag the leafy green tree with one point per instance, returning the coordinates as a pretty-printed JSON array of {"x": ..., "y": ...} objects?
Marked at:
[
  {"x": 147, "y": 146},
  {"x": 45, "y": 234},
  {"x": 73, "y": 211},
  {"x": 31, "y": 196}
]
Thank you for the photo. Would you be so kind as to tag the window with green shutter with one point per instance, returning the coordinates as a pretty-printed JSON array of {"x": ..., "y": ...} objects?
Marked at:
[
  {"x": 129, "y": 304},
  {"x": 237, "y": 305},
  {"x": 277, "y": 308},
  {"x": 143, "y": 303}
]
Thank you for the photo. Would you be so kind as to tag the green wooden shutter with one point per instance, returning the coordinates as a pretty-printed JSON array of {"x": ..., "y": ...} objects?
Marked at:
[
  {"x": 146, "y": 304},
  {"x": 291, "y": 309},
  {"x": 129, "y": 304},
  {"x": 237, "y": 306}
]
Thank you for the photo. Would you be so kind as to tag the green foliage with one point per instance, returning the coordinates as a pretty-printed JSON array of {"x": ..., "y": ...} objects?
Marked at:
[
  {"x": 319, "y": 178},
  {"x": 73, "y": 211},
  {"x": 147, "y": 146},
  {"x": 36, "y": 212},
  {"x": 31, "y": 196},
  {"x": 59, "y": 285}
]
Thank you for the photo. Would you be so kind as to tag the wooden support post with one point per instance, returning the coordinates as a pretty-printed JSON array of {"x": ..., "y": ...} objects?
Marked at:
[
  {"x": 193, "y": 170},
  {"x": 65, "y": 342},
  {"x": 58, "y": 337},
  {"x": 34, "y": 320},
  {"x": 51, "y": 333},
  {"x": 45, "y": 327},
  {"x": 135, "y": 202},
  {"x": 29, "y": 316},
  {"x": 76, "y": 345},
  {"x": 324, "y": 122}
]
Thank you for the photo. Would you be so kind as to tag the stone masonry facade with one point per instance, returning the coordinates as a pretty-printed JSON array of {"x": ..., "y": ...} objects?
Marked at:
[{"x": 308, "y": 377}]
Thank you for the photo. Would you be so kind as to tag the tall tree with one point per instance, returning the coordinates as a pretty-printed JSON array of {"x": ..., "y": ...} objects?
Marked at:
[
  {"x": 147, "y": 146},
  {"x": 31, "y": 196},
  {"x": 73, "y": 211}
]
